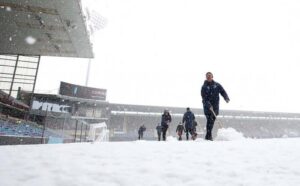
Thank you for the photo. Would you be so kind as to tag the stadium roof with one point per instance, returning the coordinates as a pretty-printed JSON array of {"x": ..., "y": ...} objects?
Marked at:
[
  {"x": 46, "y": 28},
  {"x": 69, "y": 98}
]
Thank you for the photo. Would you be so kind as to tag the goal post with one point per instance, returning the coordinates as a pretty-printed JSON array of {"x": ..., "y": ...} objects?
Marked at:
[{"x": 98, "y": 132}]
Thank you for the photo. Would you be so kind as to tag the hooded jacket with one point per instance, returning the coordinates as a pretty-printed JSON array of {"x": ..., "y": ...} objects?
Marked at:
[
  {"x": 188, "y": 119},
  {"x": 166, "y": 119},
  {"x": 210, "y": 96}
]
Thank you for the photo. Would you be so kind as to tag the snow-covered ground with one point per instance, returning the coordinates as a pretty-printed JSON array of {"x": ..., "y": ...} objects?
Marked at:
[{"x": 140, "y": 163}]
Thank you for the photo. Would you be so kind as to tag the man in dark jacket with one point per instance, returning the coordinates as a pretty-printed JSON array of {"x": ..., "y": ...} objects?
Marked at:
[
  {"x": 188, "y": 119},
  {"x": 210, "y": 98},
  {"x": 141, "y": 131},
  {"x": 159, "y": 130},
  {"x": 165, "y": 121}
]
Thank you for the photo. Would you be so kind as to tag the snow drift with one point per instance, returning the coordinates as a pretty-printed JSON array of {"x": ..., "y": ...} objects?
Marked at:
[{"x": 229, "y": 134}]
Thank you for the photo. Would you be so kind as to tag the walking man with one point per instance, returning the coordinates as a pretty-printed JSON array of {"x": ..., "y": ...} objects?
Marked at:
[
  {"x": 165, "y": 121},
  {"x": 159, "y": 130},
  {"x": 141, "y": 131},
  {"x": 189, "y": 119},
  {"x": 210, "y": 98}
]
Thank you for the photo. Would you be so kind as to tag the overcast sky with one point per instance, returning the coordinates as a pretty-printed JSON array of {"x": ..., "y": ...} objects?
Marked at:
[{"x": 156, "y": 52}]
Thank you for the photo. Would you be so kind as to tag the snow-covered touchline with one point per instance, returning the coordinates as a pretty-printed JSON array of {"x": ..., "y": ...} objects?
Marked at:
[{"x": 239, "y": 162}]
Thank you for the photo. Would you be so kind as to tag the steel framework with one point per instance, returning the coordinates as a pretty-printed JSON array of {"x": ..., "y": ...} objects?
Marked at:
[{"x": 18, "y": 72}]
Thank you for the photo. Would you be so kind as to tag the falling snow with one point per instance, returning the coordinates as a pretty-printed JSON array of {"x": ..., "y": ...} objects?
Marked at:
[
  {"x": 8, "y": 8},
  {"x": 30, "y": 40}
]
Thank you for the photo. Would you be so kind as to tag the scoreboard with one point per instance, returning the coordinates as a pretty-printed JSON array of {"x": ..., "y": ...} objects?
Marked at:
[{"x": 73, "y": 90}]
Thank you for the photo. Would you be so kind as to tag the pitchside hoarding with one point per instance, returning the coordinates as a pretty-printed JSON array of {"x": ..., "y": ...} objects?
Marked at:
[{"x": 68, "y": 89}]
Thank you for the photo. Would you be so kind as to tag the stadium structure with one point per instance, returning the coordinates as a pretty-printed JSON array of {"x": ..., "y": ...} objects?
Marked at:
[
  {"x": 31, "y": 29},
  {"x": 71, "y": 112},
  {"x": 74, "y": 115},
  {"x": 126, "y": 119}
]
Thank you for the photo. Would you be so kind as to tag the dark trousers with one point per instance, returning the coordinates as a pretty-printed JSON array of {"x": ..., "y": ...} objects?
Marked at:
[
  {"x": 140, "y": 136},
  {"x": 190, "y": 131},
  {"x": 164, "y": 132},
  {"x": 159, "y": 135},
  {"x": 210, "y": 120},
  {"x": 179, "y": 135}
]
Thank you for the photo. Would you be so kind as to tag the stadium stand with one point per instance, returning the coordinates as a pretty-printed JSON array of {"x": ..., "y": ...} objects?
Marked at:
[
  {"x": 34, "y": 29},
  {"x": 11, "y": 128},
  {"x": 125, "y": 120}
]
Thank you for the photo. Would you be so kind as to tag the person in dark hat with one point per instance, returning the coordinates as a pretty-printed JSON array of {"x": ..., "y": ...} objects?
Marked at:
[{"x": 210, "y": 98}]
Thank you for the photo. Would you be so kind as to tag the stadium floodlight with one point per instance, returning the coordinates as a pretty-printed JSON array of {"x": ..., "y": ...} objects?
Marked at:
[{"x": 95, "y": 22}]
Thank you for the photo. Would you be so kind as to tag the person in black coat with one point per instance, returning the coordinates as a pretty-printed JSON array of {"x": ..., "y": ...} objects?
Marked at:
[
  {"x": 188, "y": 119},
  {"x": 159, "y": 130},
  {"x": 210, "y": 98},
  {"x": 141, "y": 131},
  {"x": 165, "y": 121},
  {"x": 179, "y": 131}
]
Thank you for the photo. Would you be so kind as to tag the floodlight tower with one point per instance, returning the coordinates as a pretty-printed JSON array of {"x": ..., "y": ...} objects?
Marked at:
[{"x": 95, "y": 22}]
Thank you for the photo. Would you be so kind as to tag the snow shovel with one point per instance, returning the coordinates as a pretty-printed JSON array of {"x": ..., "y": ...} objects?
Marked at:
[
  {"x": 212, "y": 110},
  {"x": 227, "y": 134}
]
